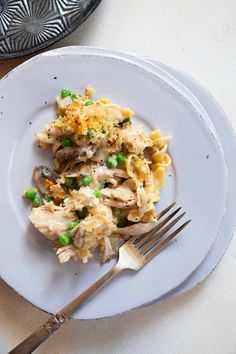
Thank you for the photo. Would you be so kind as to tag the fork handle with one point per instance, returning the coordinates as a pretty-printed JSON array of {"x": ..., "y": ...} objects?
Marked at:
[{"x": 54, "y": 322}]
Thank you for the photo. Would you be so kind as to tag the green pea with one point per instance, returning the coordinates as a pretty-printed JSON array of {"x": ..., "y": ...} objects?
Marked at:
[
  {"x": 86, "y": 180},
  {"x": 116, "y": 211},
  {"x": 30, "y": 194},
  {"x": 65, "y": 93},
  {"x": 69, "y": 181},
  {"x": 88, "y": 103},
  {"x": 64, "y": 238},
  {"x": 98, "y": 194},
  {"x": 104, "y": 131},
  {"x": 111, "y": 162},
  {"x": 72, "y": 225},
  {"x": 36, "y": 202},
  {"x": 48, "y": 198},
  {"x": 67, "y": 142},
  {"x": 120, "y": 158},
  {"x": 82, "y": 214}
]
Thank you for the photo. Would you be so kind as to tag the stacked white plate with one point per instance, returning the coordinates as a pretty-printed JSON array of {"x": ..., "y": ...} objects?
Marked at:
[{"x": 201, "y": 179}]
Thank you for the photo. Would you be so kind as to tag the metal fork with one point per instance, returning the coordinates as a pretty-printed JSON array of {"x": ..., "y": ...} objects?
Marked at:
[{"x": 134, "y": 254}]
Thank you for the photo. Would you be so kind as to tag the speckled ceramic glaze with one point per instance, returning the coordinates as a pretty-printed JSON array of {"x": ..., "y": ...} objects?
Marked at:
[{"x": 30, "y": 25}]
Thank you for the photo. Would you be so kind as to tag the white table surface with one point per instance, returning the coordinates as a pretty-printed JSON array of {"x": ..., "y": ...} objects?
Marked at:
[{"x": 198, "y": 37}]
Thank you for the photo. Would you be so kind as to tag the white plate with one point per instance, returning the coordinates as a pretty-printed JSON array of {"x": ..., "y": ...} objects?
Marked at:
[
  {"x": 228, "y": 141},
  {"x": 197, "y": 182}
]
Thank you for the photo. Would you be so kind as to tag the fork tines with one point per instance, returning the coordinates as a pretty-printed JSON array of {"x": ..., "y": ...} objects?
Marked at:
[{"x": 154, "y": 241}]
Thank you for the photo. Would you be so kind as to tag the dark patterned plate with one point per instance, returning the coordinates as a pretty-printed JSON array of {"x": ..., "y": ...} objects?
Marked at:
[{"x": 30, "y": 25}]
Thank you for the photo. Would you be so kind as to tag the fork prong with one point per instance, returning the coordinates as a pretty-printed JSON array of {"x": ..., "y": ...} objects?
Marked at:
[
  {"x": 147, "y": 236},
  {"x": 164, "y": 243},
  {"x": 152, "y": 242},
  {"x": 162, "y": 213}
]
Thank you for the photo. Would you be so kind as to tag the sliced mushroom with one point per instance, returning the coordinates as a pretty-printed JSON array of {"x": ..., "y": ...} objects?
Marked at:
[
  {"x": 40, "y": 175},
  {"x": 75, "y": 152}
]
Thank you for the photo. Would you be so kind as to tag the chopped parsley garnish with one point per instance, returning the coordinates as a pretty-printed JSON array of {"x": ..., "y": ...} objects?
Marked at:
[
  {"x": 65, "y": 93},
  {"x": 89, "y": 103},
  {"x": 126, "y": 120},
  {"x": 48, "y": 198},
  {"x": 73, "y": 97},
  {"x": 68, "y": 93},
  {"x": 91, "y": 133}
]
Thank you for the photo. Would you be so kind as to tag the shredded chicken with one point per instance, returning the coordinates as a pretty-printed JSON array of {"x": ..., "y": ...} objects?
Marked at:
[
  {"x": 135, "y": 140},
  {"x": 120, "y": 197},
  {"x": 65, "y": 253},
  {"x": 84, "y": 197},
  {"x": 135, "y": 230},
  {"x": 90, "y": 232},
  {"x": 50, "y": 222},
  {"x": 75, "y": 153},
  {"x": 107, "y": 250}
]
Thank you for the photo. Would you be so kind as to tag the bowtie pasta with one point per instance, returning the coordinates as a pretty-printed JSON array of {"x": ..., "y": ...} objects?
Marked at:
[{"x": 105, "y": 181}]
